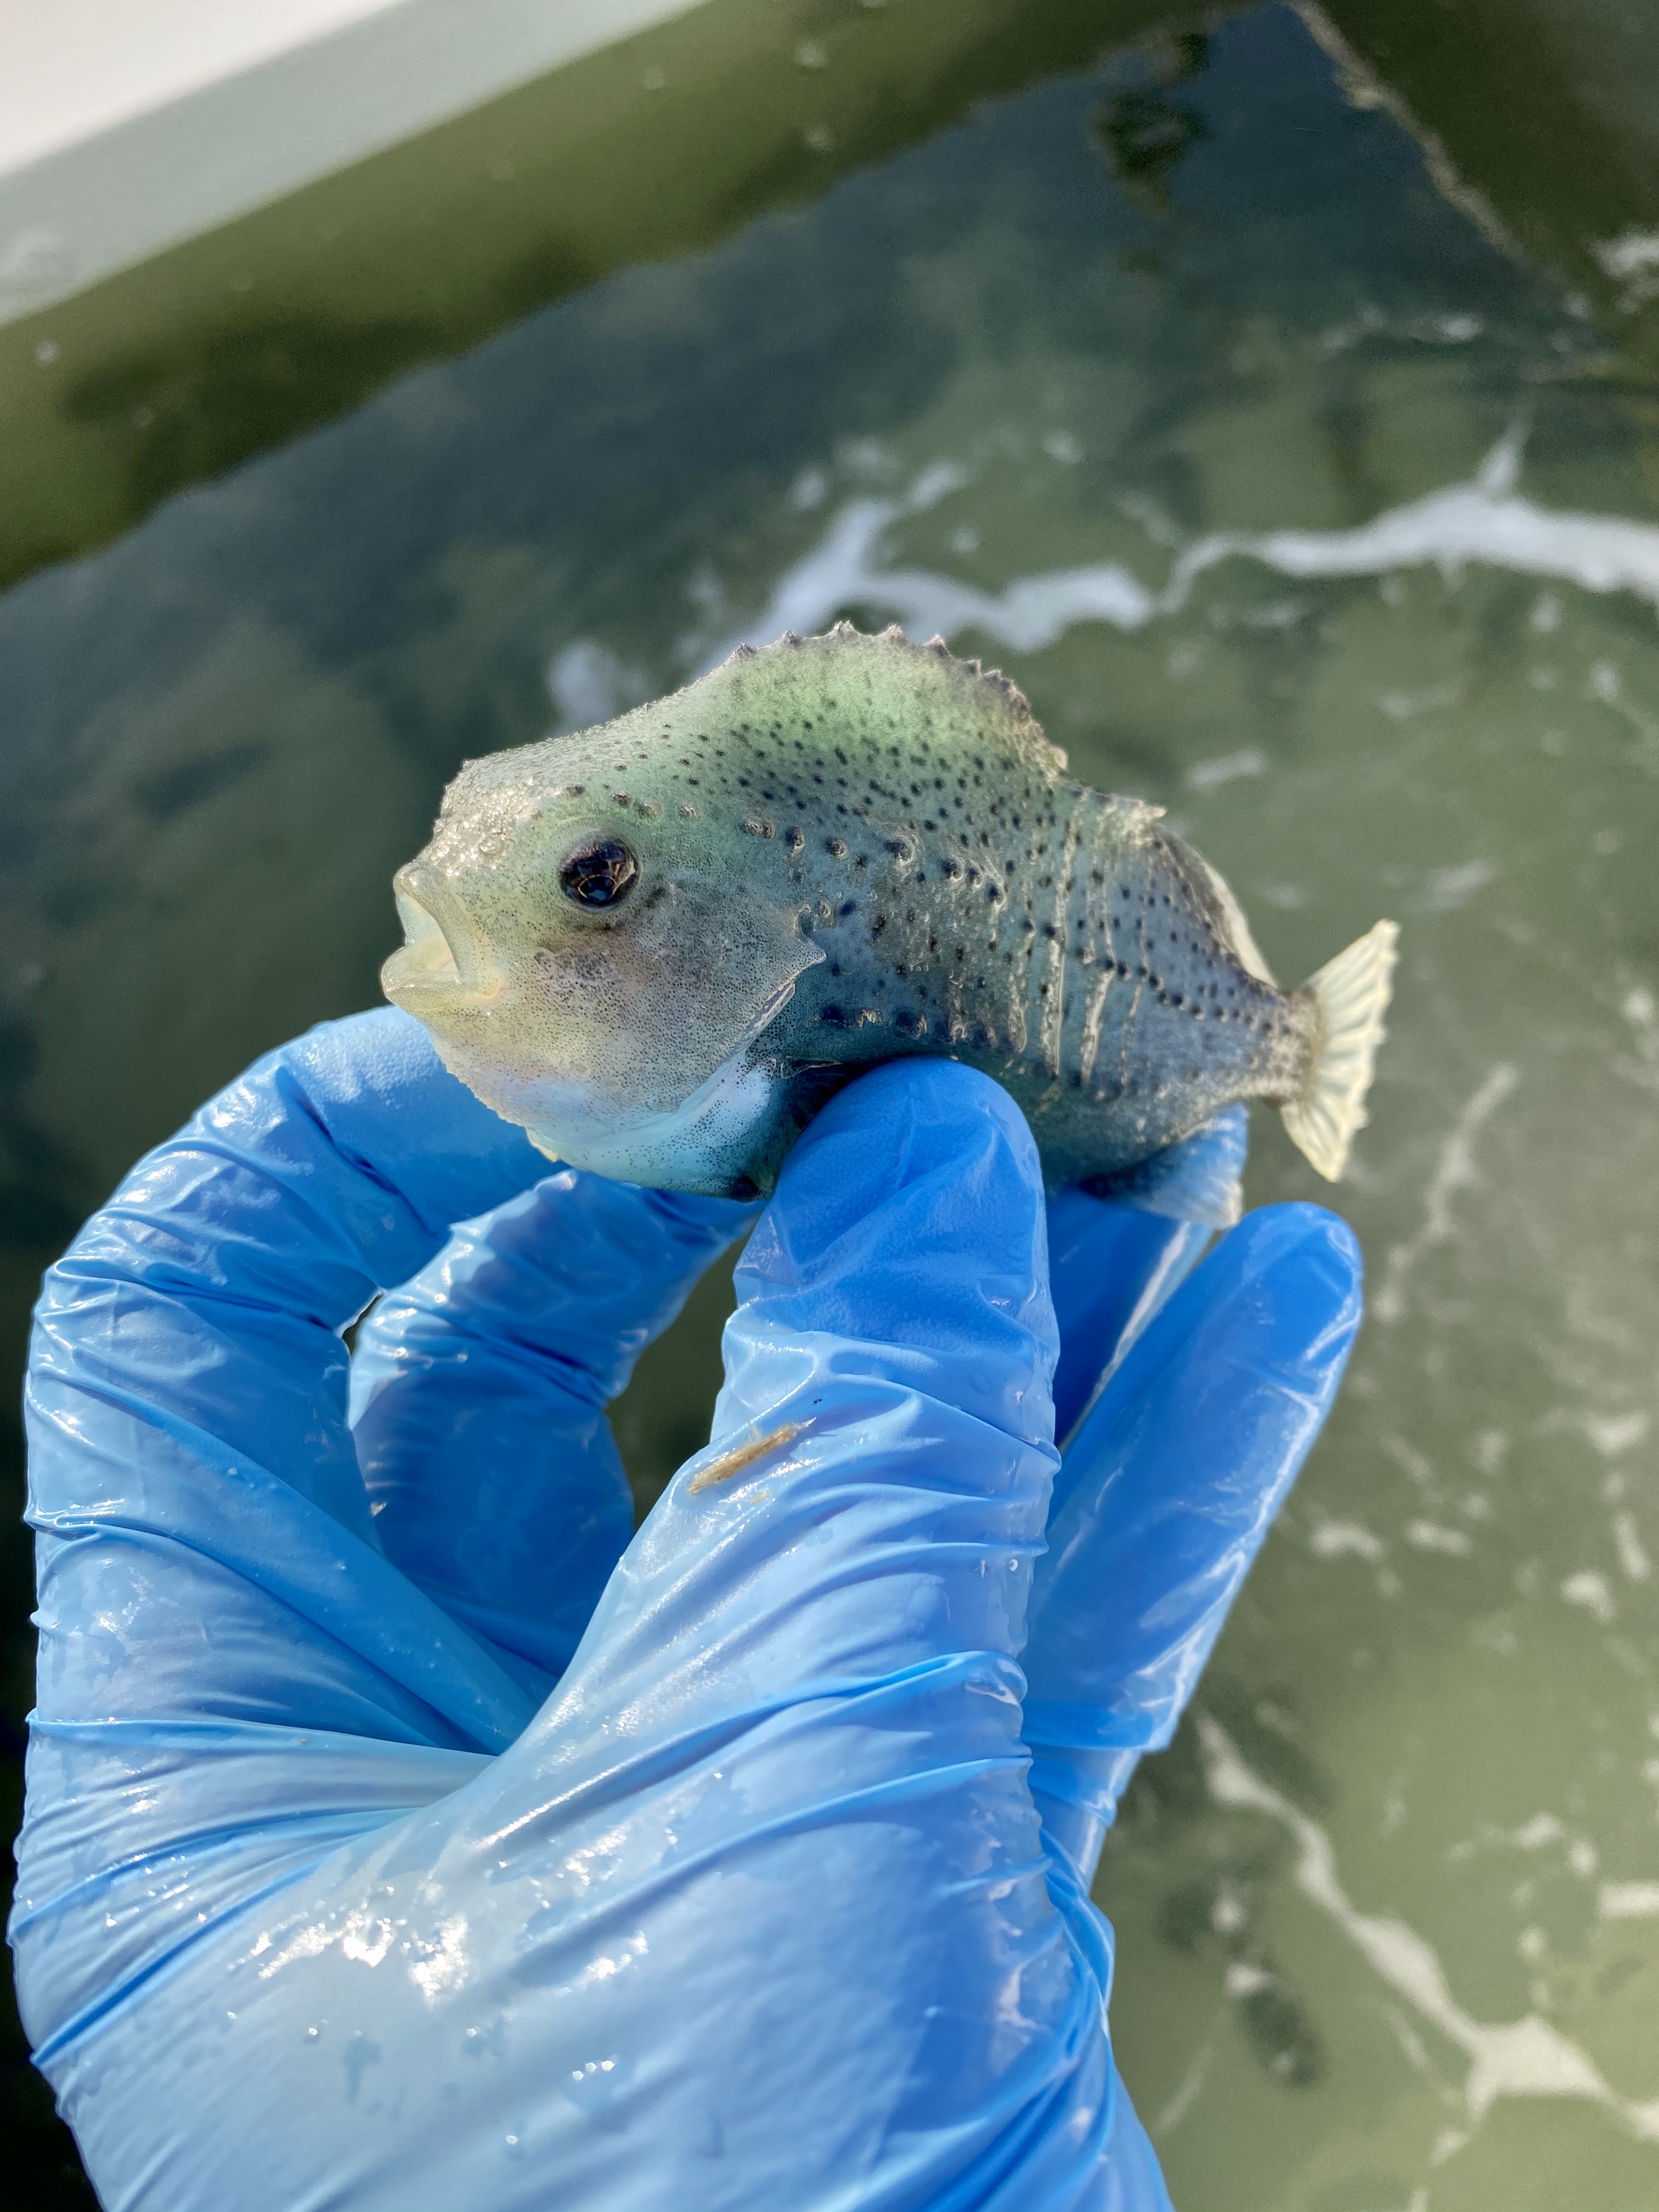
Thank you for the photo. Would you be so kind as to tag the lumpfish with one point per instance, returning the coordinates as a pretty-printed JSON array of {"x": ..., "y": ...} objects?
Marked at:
[{"x": 659, "y": 946}]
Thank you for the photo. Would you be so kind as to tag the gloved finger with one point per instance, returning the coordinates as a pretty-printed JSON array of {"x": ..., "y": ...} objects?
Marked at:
[
  {"x": 232, "y": 1674},
  {"x": 885, "y": 1426},
  {"x": 478, "y": 1392},
  {"x": 190, "y": 1459},
  {"x": 1173, "y": 1481},
  {"x": 1120, "y": 1246}
]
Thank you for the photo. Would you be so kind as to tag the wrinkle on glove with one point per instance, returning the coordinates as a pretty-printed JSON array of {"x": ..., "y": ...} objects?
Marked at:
[{"x": 757, "y": 1909}]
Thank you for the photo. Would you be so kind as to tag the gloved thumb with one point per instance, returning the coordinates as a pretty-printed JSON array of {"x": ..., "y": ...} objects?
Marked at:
[{"x": 874, "y": 1493}]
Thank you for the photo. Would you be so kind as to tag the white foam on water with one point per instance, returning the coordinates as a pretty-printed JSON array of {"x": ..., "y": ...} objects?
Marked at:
[
  {"x": 1186, "y": 2094},
  {"x": 1211, "y": 774},
  {"x": 1634, "y": 253},
  {"x": 1629, "y": 1900},
  {"x": 1405, "y": 706},
  {"x": 1632, "y": 260},
  {"x": 1485, "y": 522},
  {"x": 1613, "y": 1433},
  {"x": 1632, "y": 1553},
  {"x": 1525, "y": 2057},
  {"x": 1430, "y": 1536},
  {"x": 1590, "y": 1589},
  {"x": 1449, "y": 888},
  {"x": 845, "y": 568},
  {"x": 1243, "y": 1980},
  {"x": 1532, "y": 1835},
  {"x": 1453, "y": 1171},
  {"x": 1336, "y": 1540}
]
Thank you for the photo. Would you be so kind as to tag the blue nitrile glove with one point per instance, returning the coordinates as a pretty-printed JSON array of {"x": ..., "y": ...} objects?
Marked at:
[{"x": 335, "y": 1890}]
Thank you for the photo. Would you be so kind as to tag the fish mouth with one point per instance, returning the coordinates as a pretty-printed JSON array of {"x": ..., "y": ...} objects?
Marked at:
[{"x": 441, "y": 967}]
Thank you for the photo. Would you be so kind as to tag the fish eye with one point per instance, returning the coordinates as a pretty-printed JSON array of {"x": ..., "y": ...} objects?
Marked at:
[{"x": 599, "y": 872}]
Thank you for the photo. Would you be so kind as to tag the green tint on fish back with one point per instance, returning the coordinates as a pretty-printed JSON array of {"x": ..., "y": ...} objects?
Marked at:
[{"x": 660, "y": 945}]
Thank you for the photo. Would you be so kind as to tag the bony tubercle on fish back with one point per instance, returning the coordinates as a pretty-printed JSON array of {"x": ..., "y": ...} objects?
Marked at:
[{"x": 660, "y": 944}]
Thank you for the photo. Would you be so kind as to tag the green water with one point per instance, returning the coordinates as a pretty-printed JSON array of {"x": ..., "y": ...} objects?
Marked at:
[{"x": 1388, "y": 1911}]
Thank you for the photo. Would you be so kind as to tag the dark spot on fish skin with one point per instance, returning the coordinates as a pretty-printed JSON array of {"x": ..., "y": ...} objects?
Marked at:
[{"x": 834, "y": 1018}]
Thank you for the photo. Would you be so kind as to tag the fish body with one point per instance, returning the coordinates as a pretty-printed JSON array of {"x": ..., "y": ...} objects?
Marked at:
[{"x": 660, "y": 944}]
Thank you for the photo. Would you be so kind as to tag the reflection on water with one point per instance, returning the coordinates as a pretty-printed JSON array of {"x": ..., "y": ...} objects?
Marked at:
[{"x": 1298, "y": 507}]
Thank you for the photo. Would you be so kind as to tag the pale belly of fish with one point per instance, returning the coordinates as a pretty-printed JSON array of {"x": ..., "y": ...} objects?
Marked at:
[{"x": 662, "y": 944}]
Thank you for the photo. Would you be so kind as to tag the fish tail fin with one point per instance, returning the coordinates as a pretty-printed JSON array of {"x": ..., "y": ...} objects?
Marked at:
[{"x": 1352, "y": 992}]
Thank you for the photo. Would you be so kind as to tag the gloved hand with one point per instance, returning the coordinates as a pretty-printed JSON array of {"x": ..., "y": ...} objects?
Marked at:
[{"x": 401, "y": 1834}]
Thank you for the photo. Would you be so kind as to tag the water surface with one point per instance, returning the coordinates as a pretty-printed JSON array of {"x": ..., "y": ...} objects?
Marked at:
[{"x": 1298, "y": 505}]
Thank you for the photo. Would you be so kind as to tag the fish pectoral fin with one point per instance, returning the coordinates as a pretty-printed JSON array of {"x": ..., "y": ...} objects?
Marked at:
[
  {"x": 812, "y": 1087},
  {"x": 1352, "y": 993}
]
